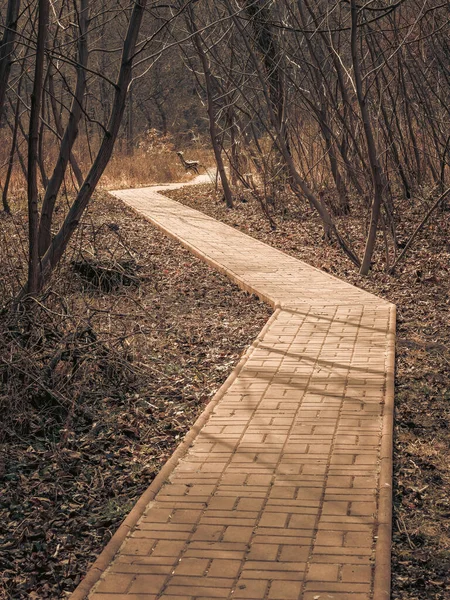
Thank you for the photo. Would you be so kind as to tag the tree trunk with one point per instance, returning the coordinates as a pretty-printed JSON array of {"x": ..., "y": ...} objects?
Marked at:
[
  {"x": 22, "y": 164},
  {"x": 6, "y": 206},
  {"x": 375, "y": 168},
  {"x": 40, "y": 156},
  {"x": 62, "y": 238},
  {"x": 211, "y": 116},
  {"x": 130, "y": 122},
  {"x": 60, "y": 130},
  {"x": 7, "y": 47},
  {"x": 259, "y": 15},
  {"x": 322, "y": 116},
  {"x": 69, "y": 136},
  {"x": 33, "y": 141}
]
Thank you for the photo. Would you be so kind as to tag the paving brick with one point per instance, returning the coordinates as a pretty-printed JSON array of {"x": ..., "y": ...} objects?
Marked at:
[
  {"x": 162, "y": 535},
  {"x": 248, "y": 588},
  {"x": 302, "y": 521},
  {"x": 333, "y": 587},
  {"x": 329, "y": 538},
  {"x": 287, "y": 590},
  {"x": 234, "y": 478},
  {"x": 208, "y": 533},
  {"x": 214, "y": 553},
  {"x": 207, "y": 592},
  {"x": 357, "y": 540},
  {"x": 232, "y": 519},
  {"x": 237, "y": 534},
  {"x": 136, "y": 569},
  {"x": 259, "y": 480},
  {"x": 343, "y": 481},
  {"x": 273, "y": 575},
  {"x": 168, "y": 548},
  {"x": 224, "y": 568},
  {"x": 126, "y": 559},
  {"x": 186, "y": 516},
  {"x": 330, "y": 507},
  {"x": 356, "y": 573},
  {"x": 140, "y": 547},
  {"x": 157, "y": 515},
  {"x": 171, "y": 489},
  {"x": 269, "y": 519},
  {"x": 283, "y": 492},
  {"x": 294, "y": 553},
  {"x": 222, "y": 503},
  {"x": 115, "y": 583},
  {"x": 200, "y": 490},
  {"x": 332, "y": 559},
  {"x": 192, "y": 566},
  {"x": 158, "y": 528},
  {"x": 263, "y": 551},
  {"x": 147, "y": 584},
  {"x": 322, "y": 572},
  {"x": 190, "y": 581},
  {"x": 106, "y": 596},
  {"x": 240, "y": 518},
  {"x": 363, "y": 508},
  {"x": 343, "y": 523},
  {"x": 335, "y": 596}
]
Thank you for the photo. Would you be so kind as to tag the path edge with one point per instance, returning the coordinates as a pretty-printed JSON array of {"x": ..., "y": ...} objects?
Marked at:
[
  {"x": 108, "y": 553},
  {"x": 234, "y": 277},
  {"x": 382, "y": 574}
]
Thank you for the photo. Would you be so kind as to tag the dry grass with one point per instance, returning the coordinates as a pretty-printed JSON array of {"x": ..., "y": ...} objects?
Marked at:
[
  {"x": 148, "y": 167},
  {"x": 153, "y": 160}
]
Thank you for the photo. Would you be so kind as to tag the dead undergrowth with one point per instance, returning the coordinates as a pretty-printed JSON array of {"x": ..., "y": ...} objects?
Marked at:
[
  {"x": 420, "y": 289},
  {"x": 153, "y": 159},
  {"x": 100, "y": 380}
]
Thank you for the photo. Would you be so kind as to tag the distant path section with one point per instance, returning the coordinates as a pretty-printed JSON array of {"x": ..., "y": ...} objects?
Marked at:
[{"x": 282, "y": 490}]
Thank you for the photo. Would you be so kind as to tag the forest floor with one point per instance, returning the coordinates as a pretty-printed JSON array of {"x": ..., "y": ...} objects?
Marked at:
[
  {"x": 420, "y": 289},
  {"x": 99, "y": 382}
]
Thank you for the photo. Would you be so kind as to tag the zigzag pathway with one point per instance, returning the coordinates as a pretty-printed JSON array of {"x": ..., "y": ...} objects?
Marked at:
[{"x": 285, "y": 490}]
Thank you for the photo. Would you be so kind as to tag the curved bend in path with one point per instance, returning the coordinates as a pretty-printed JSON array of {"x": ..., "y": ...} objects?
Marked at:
[{"x": 282, "y": 490}]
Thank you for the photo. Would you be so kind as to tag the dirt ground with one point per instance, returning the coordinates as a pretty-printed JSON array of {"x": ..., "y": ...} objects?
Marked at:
[
  {"x": 98, "y": 385},
  {"x": 420, "y": 289}
]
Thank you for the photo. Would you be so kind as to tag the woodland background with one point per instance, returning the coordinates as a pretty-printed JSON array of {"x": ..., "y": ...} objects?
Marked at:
[{"x": 328, "y": 125}]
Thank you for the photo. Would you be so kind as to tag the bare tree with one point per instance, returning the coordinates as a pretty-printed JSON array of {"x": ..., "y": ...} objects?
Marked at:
[
  {"x": 199, "y": 46},
  {"x": 371, "y": 147},
  {"x": 33, "y": 140},
  {"x": 13, "y": 150},
  {"x": 7, "y": 47},
  {"x": 62, "y": 238},
  {"x": 70, "y": 134}
]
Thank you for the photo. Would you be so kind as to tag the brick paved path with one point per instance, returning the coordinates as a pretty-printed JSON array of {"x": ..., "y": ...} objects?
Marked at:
[{"x": 285, "y": 492}]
